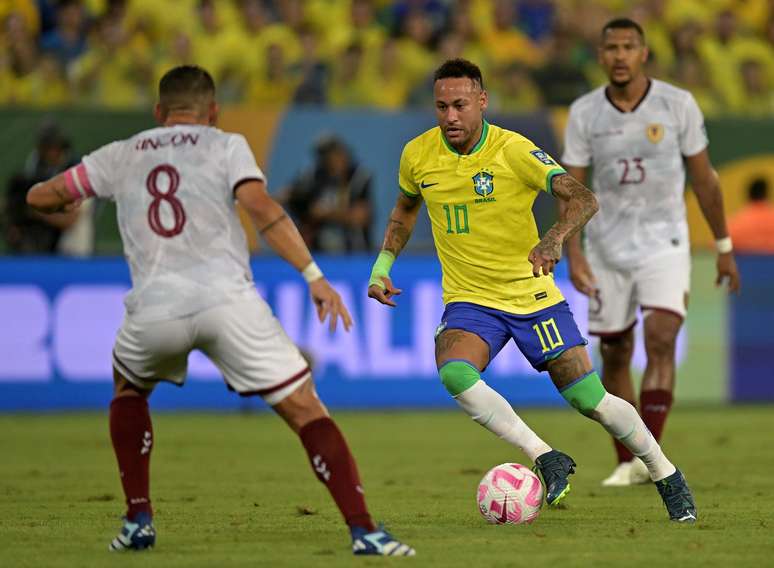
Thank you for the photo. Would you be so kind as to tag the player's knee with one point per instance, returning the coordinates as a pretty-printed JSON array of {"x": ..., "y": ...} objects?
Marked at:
[
  {"x": 301, "y": 406},
  {"x": 585, "y": 393},
  {"x": 617, "y": 350},
  {"x": 660, "y": 344},
  {"x": 458, "y": 376},
  {"x": 122, "y": 387}
]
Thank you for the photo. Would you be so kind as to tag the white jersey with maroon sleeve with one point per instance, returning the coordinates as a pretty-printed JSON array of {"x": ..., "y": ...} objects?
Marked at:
[
  {"x": 638, "y": 171},
  {"x": 174, "y": 193}
]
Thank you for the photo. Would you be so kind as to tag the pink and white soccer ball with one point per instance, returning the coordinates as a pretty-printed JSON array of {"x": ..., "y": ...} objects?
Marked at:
[{"x": 510, "y": 493}]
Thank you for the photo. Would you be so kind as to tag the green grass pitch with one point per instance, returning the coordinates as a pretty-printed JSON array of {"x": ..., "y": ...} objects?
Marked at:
[{"x": 236, "y": 490}]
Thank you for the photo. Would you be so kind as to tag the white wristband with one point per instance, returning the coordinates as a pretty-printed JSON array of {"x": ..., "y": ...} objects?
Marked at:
[
  {"x": 724, "y": 245},
  {"x": 312, "y": 272}
]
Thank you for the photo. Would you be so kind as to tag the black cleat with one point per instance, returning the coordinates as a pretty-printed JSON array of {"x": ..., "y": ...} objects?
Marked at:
[
  {"x": 555, "y": 466},
  {"x": 677, "y": 498}
]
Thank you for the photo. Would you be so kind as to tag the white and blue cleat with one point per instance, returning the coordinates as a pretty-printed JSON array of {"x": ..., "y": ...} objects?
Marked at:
[
  {"x": 378, "y": 543},
  {"x": 135, "y": 535}
]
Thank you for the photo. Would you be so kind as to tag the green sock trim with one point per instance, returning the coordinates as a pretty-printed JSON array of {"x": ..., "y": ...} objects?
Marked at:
[
  {"x": 458, "y": 376},
  {"x": 585, "y": 393}
]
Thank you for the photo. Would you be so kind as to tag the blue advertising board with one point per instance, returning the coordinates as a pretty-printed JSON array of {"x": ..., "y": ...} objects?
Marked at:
[
  {"x": 752, "y": 331},
  {"x": 60, "y": 317}
]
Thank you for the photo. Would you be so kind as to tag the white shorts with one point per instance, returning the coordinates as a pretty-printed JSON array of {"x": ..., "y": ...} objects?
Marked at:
[
  {"x": 659, "y": 283},
  {"x": 243, "y": 339}
]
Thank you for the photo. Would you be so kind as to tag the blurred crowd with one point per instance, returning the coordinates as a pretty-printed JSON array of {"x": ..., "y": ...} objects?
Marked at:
[{"x": 375, "y": 53}]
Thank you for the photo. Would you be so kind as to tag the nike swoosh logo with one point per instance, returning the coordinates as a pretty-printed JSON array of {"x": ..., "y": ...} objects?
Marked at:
[{"x": 424, "y": 185}]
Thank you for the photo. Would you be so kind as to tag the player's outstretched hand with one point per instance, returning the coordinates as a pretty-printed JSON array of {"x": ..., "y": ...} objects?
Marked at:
[
  {"x": 581, "y": 275},
  {"x": 329, "y": 304},
  {"x": 544, "y": 256},
  {"x": 727, "y": 272},
  {"x": 384, "y": 295}
]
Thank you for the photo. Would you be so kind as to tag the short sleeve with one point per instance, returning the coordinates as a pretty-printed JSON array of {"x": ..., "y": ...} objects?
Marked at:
[
  {"x": 533, "y": 166},
  {"x": 240, "y": 162},
  {"x": 95, "y": 175},
  {"x": 693, "y": 134},
  {"x": 406, "y": 180},
  {"x": 577, "y": 149}
]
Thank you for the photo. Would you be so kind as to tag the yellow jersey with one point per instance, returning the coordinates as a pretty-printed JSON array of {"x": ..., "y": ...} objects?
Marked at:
[{"x": 480, "y": 208}]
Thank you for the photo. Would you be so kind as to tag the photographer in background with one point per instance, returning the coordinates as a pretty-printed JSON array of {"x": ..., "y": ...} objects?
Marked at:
[
  {"x": 30, "y": 232},
  {"x": 332, "y": 200}
]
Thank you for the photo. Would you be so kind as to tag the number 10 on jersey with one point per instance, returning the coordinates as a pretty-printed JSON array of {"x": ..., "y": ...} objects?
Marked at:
[
  {"x": 460, "y": 219},
  {"x": 549, "y": 335}
]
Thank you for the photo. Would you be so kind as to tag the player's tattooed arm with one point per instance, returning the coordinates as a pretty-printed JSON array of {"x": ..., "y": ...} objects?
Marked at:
[
  {"x": 401, "y": 223},
  {"x": 579, "y": 205},
  {"x": 581, "y": 275}
]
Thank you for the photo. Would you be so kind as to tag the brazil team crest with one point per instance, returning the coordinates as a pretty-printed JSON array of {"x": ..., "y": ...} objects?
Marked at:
[
  {"x": 655, "y": 132},
  {"x": 483, "y": 183}
]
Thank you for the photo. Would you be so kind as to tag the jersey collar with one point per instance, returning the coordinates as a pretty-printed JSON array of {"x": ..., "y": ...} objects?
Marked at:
[
  {"x": 476, "y": 148},
  {"x": 636, "y": 106}
]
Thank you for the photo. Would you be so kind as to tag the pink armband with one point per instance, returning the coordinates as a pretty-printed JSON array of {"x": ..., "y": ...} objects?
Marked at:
[{"x": 77, "y": 182}]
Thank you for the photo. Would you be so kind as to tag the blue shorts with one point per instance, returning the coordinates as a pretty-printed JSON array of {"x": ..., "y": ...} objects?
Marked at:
[{"x": 540, "y": 336}]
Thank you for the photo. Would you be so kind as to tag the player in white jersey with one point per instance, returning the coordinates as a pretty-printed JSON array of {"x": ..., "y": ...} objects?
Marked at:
[
  {"x": 639, "y": 134},
  {"x": 175, "y": 189}
]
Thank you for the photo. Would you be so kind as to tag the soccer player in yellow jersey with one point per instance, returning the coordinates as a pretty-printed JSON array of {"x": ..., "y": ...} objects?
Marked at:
[{"x": 479, "y": 182}]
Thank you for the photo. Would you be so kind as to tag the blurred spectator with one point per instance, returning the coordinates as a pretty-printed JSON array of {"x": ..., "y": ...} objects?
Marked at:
[
  {"x": 415, "y": 46},
  {"x": 286, "y": 30},
  {"x": 349, "y": 83},
  {"x": 311, "y": 72},
  {"x": 718, "y": 49},
  {"x": 360, "y": 27},
  {"x": 752, "y": 228},
  {"x": 67, "y": 41},
  {"x": 272, "y": 85},
  {"x": 20, "y": 56},
  {"x": 332, "y": 201},
  {"x": 116, "y": 72},
  {"x": 561, "y": 80},
  {"x": 389, "y": 85},
  {"x": 514, "y": 92},
  {"x": 237, "y": 39},
  {"x": 217, "y": 47},
  {"x": 505, "y": 42},
  {"x": 432, "y": 11},
  {"x": 650, "y": 15},
  {"x": 178, "y": 51},
  {"x": 691, "y": 75},
  {"x": 758, "y": 94},
  {"x": 537, "y": 16},
  {"x": 461, "y": 26},
  {"x": 27, "y": 10},
  {"x": 47, "y": 85},
  {"x": 28, "y": 232}
]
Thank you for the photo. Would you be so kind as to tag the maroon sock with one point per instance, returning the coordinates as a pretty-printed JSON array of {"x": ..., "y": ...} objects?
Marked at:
[
  {"x": 132, "y": 435},
  {"x": 335, "y": 467},
  {"x": 654, "y": 407},
  {"x": 623, "y": 453}
]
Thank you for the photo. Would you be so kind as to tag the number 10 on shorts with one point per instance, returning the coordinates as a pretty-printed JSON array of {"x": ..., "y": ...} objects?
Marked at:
[{"x": 549, "y": 334}]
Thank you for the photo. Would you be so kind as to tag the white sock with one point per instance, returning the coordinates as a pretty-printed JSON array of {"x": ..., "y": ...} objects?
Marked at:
[
  {"x": 622, "y": 421},
  {"x": 487, "y": 407}
]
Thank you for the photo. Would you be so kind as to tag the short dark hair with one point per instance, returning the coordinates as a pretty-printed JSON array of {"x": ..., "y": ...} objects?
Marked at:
[
  {"x": 758, "y": 190},
  {"x": 623, "y": 24},
  {"x": 185, "y": 87},
  {"x": 454, "y": 68}
]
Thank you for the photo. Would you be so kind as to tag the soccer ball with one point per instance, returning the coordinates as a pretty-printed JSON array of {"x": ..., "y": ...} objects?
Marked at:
[{"x": 510, "y": 493}]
